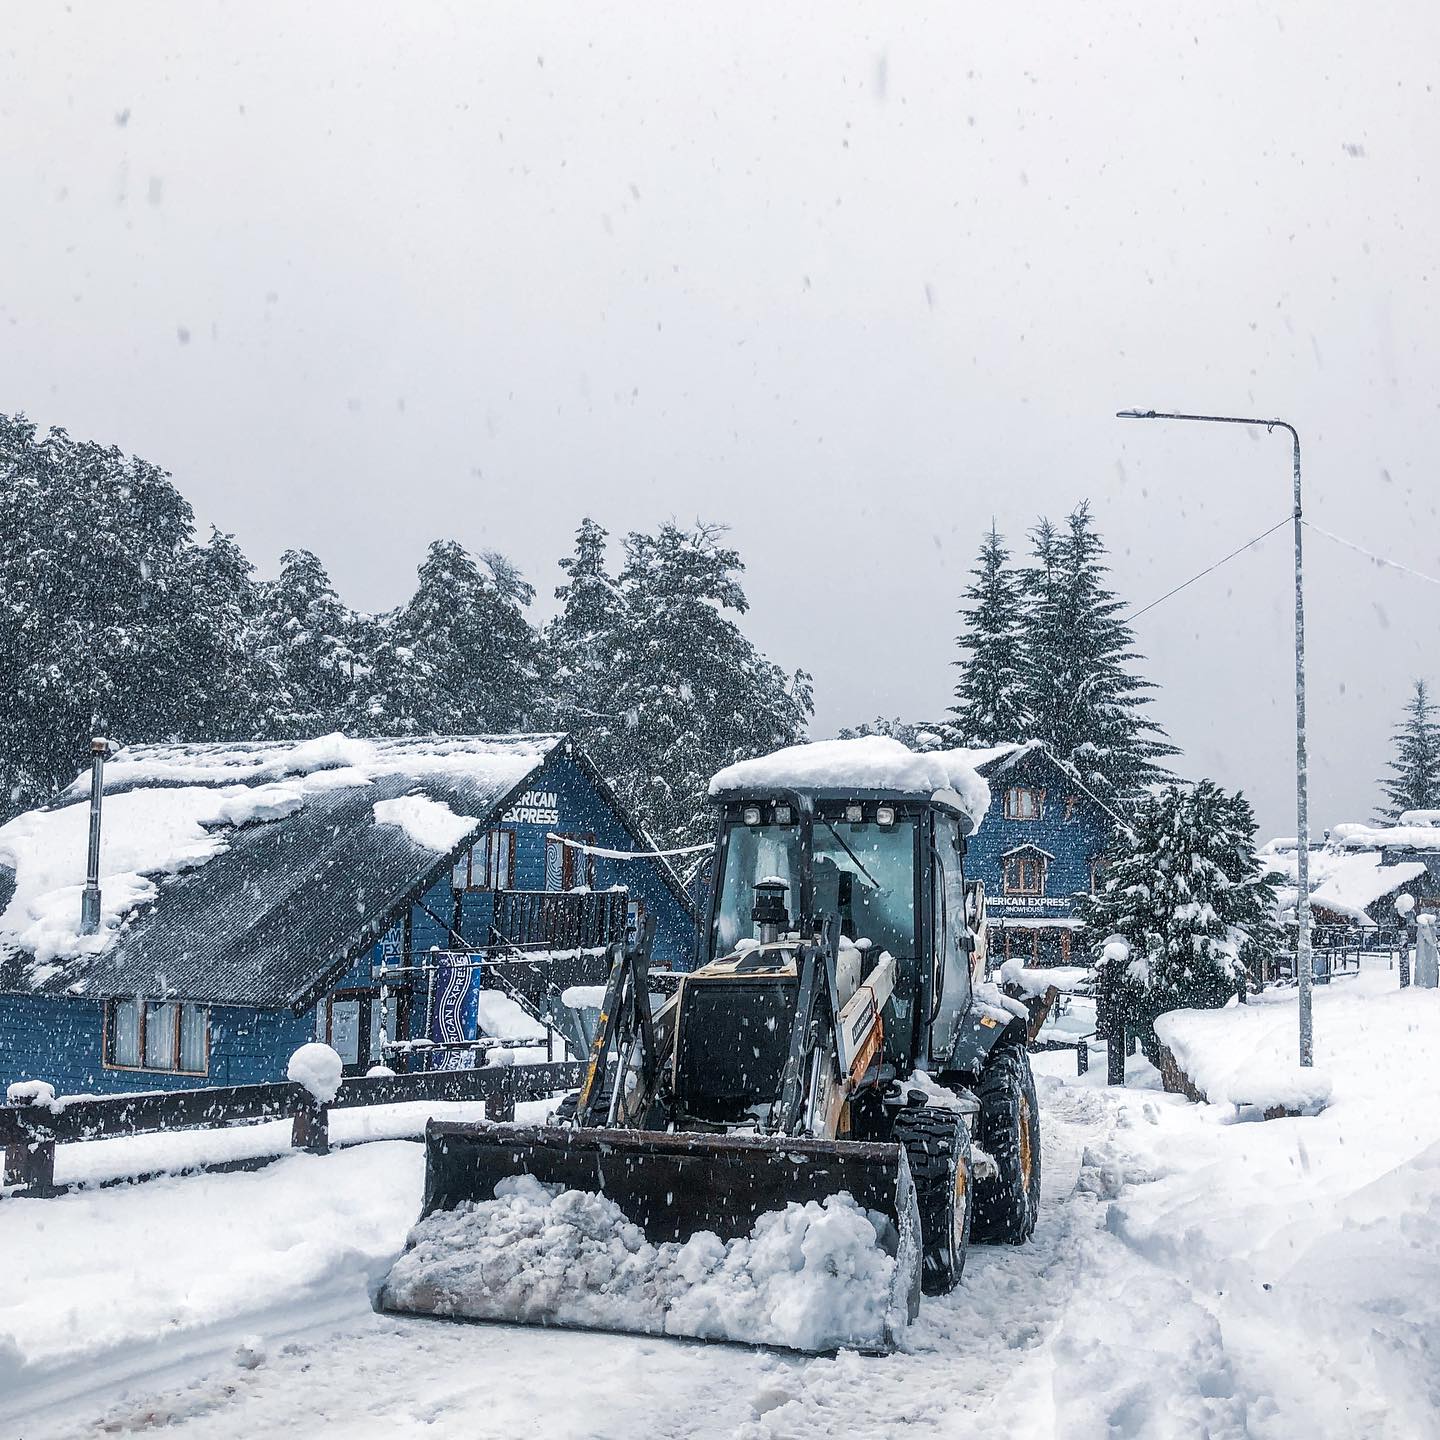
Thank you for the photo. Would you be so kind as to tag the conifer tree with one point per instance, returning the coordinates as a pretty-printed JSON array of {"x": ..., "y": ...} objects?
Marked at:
[
  {"x": 989, "y": 694},
  {"x": 1081, "y": 693},
  {"x": 583, "y": 637},
  {"x": 106, "y": 610},
  {"x": 230, "y": 686},
  {"x": 1186, "y": 894},
  {"x": 690, "y": 693},
  {"x": 460, "y": 657},
  {"x": 1414, "y": 779},
  {"x": 304, "y": 641}
]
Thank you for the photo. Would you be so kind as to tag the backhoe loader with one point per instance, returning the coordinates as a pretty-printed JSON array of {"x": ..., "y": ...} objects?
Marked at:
[{"x": 838, "y": 1037}]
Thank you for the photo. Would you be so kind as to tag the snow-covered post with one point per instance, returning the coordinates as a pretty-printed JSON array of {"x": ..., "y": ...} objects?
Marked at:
[
  {"x": 31, "y": 1163},
  {"x": 1405, "y": 911},
  {"x": 1427, "y": 958},
  {"x": 318, "y": 1070}
]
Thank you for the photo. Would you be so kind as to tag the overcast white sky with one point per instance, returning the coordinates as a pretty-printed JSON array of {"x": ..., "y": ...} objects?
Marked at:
[{"x": 852, "y": 278}]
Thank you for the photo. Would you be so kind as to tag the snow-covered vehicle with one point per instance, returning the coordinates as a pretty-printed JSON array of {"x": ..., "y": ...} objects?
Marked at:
[{"x": 838, "y": 1040}]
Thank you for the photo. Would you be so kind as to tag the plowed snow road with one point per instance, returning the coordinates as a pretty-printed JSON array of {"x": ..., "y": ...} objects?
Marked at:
[{"x": 1190, "y": 1277}]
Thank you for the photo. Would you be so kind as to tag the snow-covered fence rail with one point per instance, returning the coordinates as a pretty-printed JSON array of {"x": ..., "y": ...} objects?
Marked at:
[{"x": 32, "y": 1125}]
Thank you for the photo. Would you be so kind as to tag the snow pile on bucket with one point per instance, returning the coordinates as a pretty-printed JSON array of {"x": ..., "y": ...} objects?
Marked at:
[{"x": 809, "y": 1277}]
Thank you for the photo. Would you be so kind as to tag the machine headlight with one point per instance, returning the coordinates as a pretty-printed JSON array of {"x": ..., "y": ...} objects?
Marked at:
[
  {"x": 854, "y": 814},
  {"x": 784, "y": 815},
  {"x": 751, "y": 815},
  {"x": 884, "y": 814}
]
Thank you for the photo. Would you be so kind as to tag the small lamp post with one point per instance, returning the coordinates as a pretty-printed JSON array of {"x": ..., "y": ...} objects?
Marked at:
[{"x": 1303, "y": 964}]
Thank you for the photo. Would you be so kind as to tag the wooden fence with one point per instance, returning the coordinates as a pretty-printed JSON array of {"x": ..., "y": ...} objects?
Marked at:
[{"x": 30, "y": 1132}]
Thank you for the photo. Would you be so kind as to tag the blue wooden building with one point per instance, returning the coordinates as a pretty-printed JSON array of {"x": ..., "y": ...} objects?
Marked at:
[
  {"x": 378, "y": 895},
  {"x": 1041, "y": 845}
]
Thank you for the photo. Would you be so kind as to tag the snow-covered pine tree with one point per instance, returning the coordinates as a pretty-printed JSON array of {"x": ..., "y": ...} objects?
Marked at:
[
  {"x": 230, "y": 687},
  {"x": 1081, "y": 693},
  {"x": 990, "y": 694},
  {"x": 460, "y": 657},
  {"x": 690, "y": 691},
  {"x": 102, "y": 605},
  {"x": 1169, "y": 893},
  {"x": 303, "y": 640},
  {"x": 583, "y": 637},
  {"x": 1414, "y": 779},
  {"x": 1125, "y": 909},
  {"x": 1249, "y": 905}
]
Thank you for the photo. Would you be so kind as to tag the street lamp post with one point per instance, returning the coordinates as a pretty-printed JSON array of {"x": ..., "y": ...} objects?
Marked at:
[{"x": 1302, "y": 797}]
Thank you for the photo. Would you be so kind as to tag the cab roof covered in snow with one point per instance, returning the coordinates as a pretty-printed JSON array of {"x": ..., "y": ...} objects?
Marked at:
[
  {"x": 869, "y": 765},
  {"x": 245, "y": 873}
]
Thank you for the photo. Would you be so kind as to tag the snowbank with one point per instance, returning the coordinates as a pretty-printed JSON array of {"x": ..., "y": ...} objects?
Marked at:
[
  {"x": 809, "y": 1277},
  {"x": 873, "y": 762},
  {"x": 431, "y": 824},
  {"x": 1239, "y": 1056}
]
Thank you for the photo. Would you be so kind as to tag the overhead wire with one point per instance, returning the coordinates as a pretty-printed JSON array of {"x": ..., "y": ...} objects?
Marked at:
[
  {"x": 1370, "y": 554},
  {"x": 1224, "y": 559}
]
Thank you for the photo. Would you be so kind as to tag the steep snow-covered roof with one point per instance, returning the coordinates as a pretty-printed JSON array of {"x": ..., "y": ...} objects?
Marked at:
[
  {"x": 1359, "y": 881},
  {"x": 1346, "y": 873},
  {"x": 983, "y": 757},
  {"x": 223, "y": 844},
  {"x": 872, "y": 762}
]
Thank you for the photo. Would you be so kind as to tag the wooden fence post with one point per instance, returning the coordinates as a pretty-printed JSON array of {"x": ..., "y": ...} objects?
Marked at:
[
  {"x": 311, "y": 1129},
  {"x": 501, "y": 1107},
  {"x": 29, "y": 1162}
]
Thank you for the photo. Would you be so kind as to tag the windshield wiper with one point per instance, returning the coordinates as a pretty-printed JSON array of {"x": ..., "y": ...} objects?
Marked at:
[{"x": 878, "y": 886}]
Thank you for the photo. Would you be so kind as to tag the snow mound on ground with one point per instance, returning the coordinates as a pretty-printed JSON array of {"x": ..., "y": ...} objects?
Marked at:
[
  {"x": 1237, "y": 1056},
  {"x": 318, "y": 1068},
  {"x": 809, "y": 1277},
  {"x": 431, "y": 824}
]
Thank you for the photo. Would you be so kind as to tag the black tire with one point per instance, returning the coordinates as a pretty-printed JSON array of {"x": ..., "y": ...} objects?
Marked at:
[
  {"x": 937, "y": 1145},
  {"x": 1007, "y": 1204}
]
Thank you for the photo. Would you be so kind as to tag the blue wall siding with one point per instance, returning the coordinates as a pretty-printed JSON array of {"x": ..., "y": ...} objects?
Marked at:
[
  {"x": 59, "y": 1040},
  {"x": 1074, "y": 843}
]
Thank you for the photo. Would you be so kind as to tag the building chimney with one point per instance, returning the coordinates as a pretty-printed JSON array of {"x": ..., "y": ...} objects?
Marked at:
[{"x": 90, "y": 900}]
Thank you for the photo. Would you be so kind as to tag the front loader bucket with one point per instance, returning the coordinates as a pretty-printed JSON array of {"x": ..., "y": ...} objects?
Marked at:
[{"x": 707, "y": 1235}]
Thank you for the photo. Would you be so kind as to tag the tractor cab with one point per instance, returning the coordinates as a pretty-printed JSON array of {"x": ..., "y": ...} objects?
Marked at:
[{"x": 884, "y": 868}]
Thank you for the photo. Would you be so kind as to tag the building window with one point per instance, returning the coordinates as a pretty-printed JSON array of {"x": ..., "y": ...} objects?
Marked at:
[
  {"x": 489, "y": 864},
  {"x": 1023, "y": 803},
  {"x": 1024, "y": 875},
  {"x": 157, "y": 1035},
  {"x": 566, "y": 866},
  {"x": 1098, "y": 867},
  {"x": 353, "y": 1026},
  {"x": 1072, "y": 806}
]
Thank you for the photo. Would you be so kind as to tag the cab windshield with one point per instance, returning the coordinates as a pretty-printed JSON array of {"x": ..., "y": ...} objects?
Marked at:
[{"x": 864, "y": 874}]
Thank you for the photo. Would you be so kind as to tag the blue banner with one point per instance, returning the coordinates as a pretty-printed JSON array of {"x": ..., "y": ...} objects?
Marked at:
[{"x": 456, "y": 1014}]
